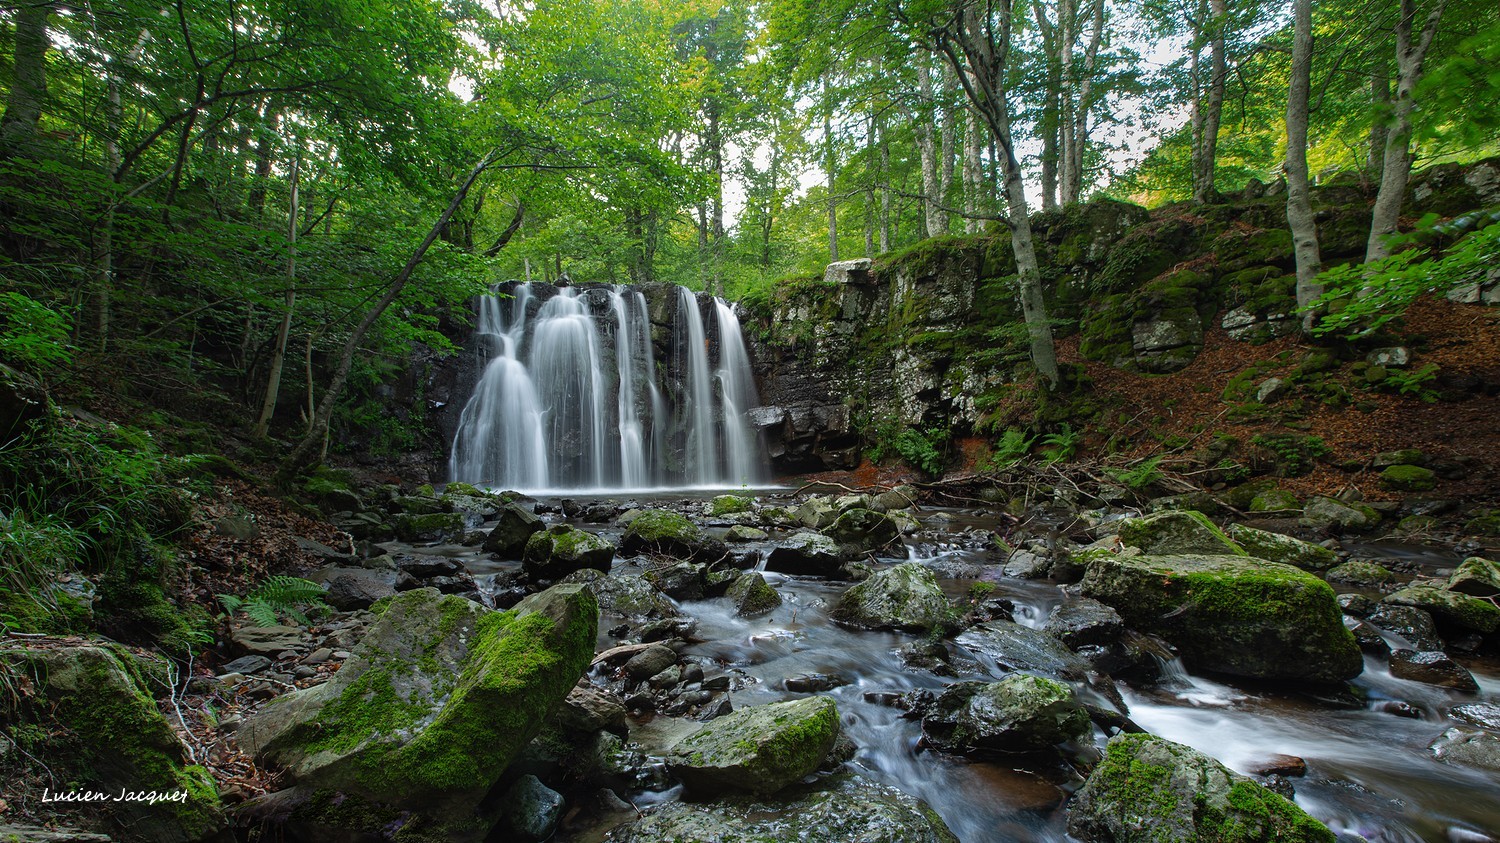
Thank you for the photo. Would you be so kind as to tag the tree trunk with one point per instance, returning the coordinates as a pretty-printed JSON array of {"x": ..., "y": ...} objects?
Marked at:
[
  {"x": 1218, "y": 69},
  {"x": 945, "y": 150},
  {"x": 885, "y": 190},
  {"x": 1380, "y": 100},
  {"x": 28, "y": 77},
  {"x": 278, "y": 353},
  {"x": 926, "y": 114},
  {"x": 973, "y": 172},
  {"x": 300, "y": 456},
  {"x": 1396, "y": 168},
  {"x": 831, "y": 170},
  {"x": 265, "y": 147},
  {"x": 1299, "y": 214},
  {"x": 1072, "y": 183}
]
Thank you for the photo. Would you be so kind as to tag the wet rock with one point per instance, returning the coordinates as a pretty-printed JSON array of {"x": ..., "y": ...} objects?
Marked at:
[
  {"x": 1328, "y": 514},
  {"x": 1279, "y": 765},
  {"x": 1020, "y": 713},
  {"x": 901, "y": 497},
  {"x": 1082, "y": 622},
  {"x": 906, "y": 597},
  {"x": 1027, "y": 565},
  {"x": 1369, "y": 639},
  {"x": 626, "y": 595},
  {"x": 1460, "y": 610},
  {"x": 743, "y": 533},
  {"x": 1412, "y": 624},
  {"x": 729, "y": 505},
  {"x": 806, "y": 553},
  {"x": 859, "y": 531},
  {"x": 588, "y": 709},
  {"x": 350, "y": 589},
  {"x": 1476, "y": 577},
  {"x": 817, "y": 512},
  {"x": 813, "y": 683},
  {"x": 1275, "y": 547},
  {"x": 1149, "y": 789},
  {"x": 1357, "y": 605},
  {"x": 36, "y": 834},
  {"x": 926, "y": 655},
  {"x": 530, "y": 811},
  {"x": 432, "y": 527},
  {"x": 1481, "y": 714},
  {"x": 1176, "y": 532},
  {"x": 668, "y": 533},
  {"x": 1432, "y": 667},
  {"x": 1361, "y": 573},
  {"x": 434, "y": 677},
  {"x": 759, "y": 749},
  {"x": 267, "y": 640},
  {"x": 1232, "y": 614},
  {"x": 246, "y": 665},
  {"x": 514, "y": 529},
  {"x": 1467, "y": 748},
  {"x": 560, "y": 550},
  {"x": 422, "y": 567},
  {"x": 752, "y": 595},
  {"x": 680, "y": 580},
  {"x": 847, "y": 808},
  {"x": 650, "y": 661},
  {"x": 1013, "y": 647}
]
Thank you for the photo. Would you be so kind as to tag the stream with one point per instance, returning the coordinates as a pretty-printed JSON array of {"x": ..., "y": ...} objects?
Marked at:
[{"x": 1368, "y": 769}]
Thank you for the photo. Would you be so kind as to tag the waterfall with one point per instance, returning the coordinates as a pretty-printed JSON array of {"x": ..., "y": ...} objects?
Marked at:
[{"x": 571, "y": 397}]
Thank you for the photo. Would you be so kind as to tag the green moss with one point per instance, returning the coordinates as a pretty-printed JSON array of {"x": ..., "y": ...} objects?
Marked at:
[
  {"x": 1408, "y": 478},
  {"x": 729, "y": 505},
  {"x": 660, "y": 525}
]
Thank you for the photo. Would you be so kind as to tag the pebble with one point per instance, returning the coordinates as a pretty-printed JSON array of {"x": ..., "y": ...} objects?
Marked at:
[
  {"x": 342, "y": 654},
  {"x": 304, "y": 672},
  {"x": 318, "y": 656},
  {"x": 247, "y": 665}
]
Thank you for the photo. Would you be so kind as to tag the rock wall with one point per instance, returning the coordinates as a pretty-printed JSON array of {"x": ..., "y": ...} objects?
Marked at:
[{"x": 930, "y": 337}]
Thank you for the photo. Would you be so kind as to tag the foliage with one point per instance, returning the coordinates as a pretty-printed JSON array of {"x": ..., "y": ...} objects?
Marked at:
[
  {"x": 1061, "y": 445},
  {"x": 1362, "y": 298},
  {"x": 922, "y": 449},
  {"x": 1294, "y": 453},
  {"x": 1413, "y": 382},
  {"x": 1140, "y": 476},
  {"x": 32, "y": 335},
  {"x": 1012, "y": 447},
  {"x": 278, "y": 596}
]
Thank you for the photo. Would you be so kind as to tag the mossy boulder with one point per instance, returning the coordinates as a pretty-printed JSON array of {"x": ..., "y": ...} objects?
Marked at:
[
  {"x": 1363, "y": 573},
  {"x": 513, "y": 529},
  {"x": 860, "y": 531},
  {"x": 436, "y": 700},
  {"x": 806, "y": 553},
  {"x": 905, "y": 597},
  {"x": 1408, "y": 478},
  {"x": 103, "y": 730},
  {"x": 730, "y": 505},
  {"x": 760, "y": 749},
  {"x": 752, "y": 595},
  {"x": 1329, "y": 515},
  {"x": 745, "y": 533},
  {"x": 1275, "y": 547},
  {"x": 1177, "y": 531},
  {"x": 1013, "y": 647},
  {"x": 1274, "y": 500},
  {"x": 560, "y": 550},
  {"x": 1232, "y": 614},
  {"x": 1020, "y": 713},
  {"x": 845, "y": 808},
  {"x": 430, "y": 527},
  {"x": 1151, "y": 790},
  {"x": 1451, "y": 608},
  {"x": 417, "y": 505},
  {"x": 668, "y": 533},
  {"x": 817, "y": 512},
  {"x": 1477, "y": 577}
]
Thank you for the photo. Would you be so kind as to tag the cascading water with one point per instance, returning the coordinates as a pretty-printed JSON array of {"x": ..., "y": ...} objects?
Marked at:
[{"x": 572, "y": 398}]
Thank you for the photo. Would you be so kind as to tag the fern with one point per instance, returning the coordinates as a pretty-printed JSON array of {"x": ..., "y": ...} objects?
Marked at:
[
  {"x": 1060, "y": 446},
  {"x": 1013, "y": 447},
  {"x": 278, "y": 596},
  {"x": 1139, "y": 477}
]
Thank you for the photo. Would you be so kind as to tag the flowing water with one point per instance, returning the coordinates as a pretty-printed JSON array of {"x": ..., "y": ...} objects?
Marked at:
[{"x": 572, "y": 397}]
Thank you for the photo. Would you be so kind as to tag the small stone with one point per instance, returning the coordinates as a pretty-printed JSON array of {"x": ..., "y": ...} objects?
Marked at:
[
  {"x": 304, "y": 672},
  {"x": 650, "y": 661},
  {"x": 342, "y": 654},
  {"x": 812, "y": 683},
  {"x": 1481, "y": 714},
  {"x": 1410, "y": 623},
  {"x": 1279, "y": 765},
  {"x": 1468, "y": 748},
  {"x": 530, "y": 810},
  {"x": 247, "y": 665},
  {"x": 1432, "y": 667},
  {"x": 318, "y": 656},
  {"x": 1392, "y": 357}
]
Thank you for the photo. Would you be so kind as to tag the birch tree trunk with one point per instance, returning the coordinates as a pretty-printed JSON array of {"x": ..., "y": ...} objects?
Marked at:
[
  {"x": 1396, "y": 168},
  {"x": 973, "y": 174},
  {"x": 945, "y": 149},
  {"x": 1299, "y": 215},
  {"x": 932, "y": 217},
  {"x": 1203, "y": 191},
  {"x": 1072, "y": 181},
  {"x": 278, "y": 352}
]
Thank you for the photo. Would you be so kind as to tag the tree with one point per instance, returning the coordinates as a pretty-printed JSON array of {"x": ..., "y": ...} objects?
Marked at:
[{"x": 1299, "y": 214}]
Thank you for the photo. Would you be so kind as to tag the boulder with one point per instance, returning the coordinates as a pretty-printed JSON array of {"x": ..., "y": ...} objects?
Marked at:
[
  {"x": 1460, "y": 610},
  {"x": 351, "y": 589},
  {"x": 1027, "y": 565},
  {"x": 1084, "y": 622},
  {"x": 806, "y": 553},
  {"x": 430, "y": 527},
  {"x": 664, "y": 532},
  {"x": 103, "y": 730},
  {"x": 1020, "y": 713},
  {"x": 1362, "y": 573},
  {"x": 1012, "y": 647},
  {"x": 650, "y": 661},
  {"x": 436, "y": 676},
  {"x": 752, "y": 595},
  {"x": 1232, "y": 614},
  {"x": 515, "y": 527},
  {"x": 1476, "y": 577},
  {"x": 1275, "y": 547},
  {"x": 847, "y": 808},
  {"x": 529, "y": 811},
  {"x": 1483, "y": 715},
  {"x": 1432, "y": 667},
  {"x": 817, "y": 512},
  {"x": 679, "y": 580},
  {"x": 626, "y": 595},
  {"x": 1177, "y": 531},
  {"x": 1413, "y": 624},
  {"x": 1408, "y": 478},
  {"x": 560, "y": 550},
  {"x": 588, "y": 709},
  {"x": 1467, "y": 748},
  {"x": 1148, "y": 789},
  {"x": 267, "y": 640},
  {"x": 729, "y": 505},
  {"x": 745, "y": 533},
  {"x": 859, "y": 531},
  {"x": 760, "y": 749},
  {"x": 905, "y": 597},
  {"x": 1328, "y": 515}
]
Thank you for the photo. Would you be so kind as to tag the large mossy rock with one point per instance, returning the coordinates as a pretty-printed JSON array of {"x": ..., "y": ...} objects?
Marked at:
[
  {"x": 436, "y": 700},
  {"x": 759, "y": 749},
  {"x": 806, "y": 553},
  {"x": 861, "y": 531},
  {"x": 1232, "y": 614},
  {"x": 847, "y": 808},
  {"x": 1177, "y": 531},
  {"x": 430, "y": 527},
  {"x": 667, "y": 533},
  {"x": 1150, "y": 790},
  {"x": 104, "y": 731},
  {"x": 1275, "y": 547},
  {"x": 1476, "y": 577},
  {"x": 513, "y": 529},
  {"x": 560, "y": 550},
  {"x": 904, "y": 597},
  {"x": 1020, "y": 713},
  {"x": 1451, "y": 608},
  {"x": 752, "y": 595}
]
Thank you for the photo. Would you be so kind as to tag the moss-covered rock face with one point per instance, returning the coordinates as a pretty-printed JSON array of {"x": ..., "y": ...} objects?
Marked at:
[
  {"x": 850, "y": 807},
  {"x": 1177, "y": 532},
  {"x": 1361, "y": 573},
  {"x": 1150, "y": 790},
  {"x": 1477, "y": 577},
  {"x": 1408, "y": 478},
  {"x": 1274, "y": 500},
  {"x": 668, "y": 533},
  {"x": 513, "y": 529},
  {"x": 430, "y": 527},
  {"x": 436, "y": 700},
  {"x": 806, "y": 553},
  {"x": 1330, "y": 515},
  {"x": 1020, "y": 713},
  {"x": 560, "y": 550},
  {"x": 759, "y": 749},
  {"x": 1275, "y": 547},
  {"x": 752, "y": 595},
  {"x": 904, "y": 597},
  {"x": 104, "y": 731},
  {"x": 730, "y": 505},
  {"x": 1452, "y": 608},
  {"x": 861, "y": 531},
  {"x": 1232, "y": 614}
]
